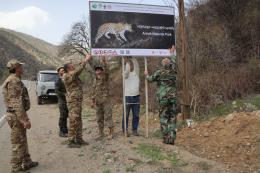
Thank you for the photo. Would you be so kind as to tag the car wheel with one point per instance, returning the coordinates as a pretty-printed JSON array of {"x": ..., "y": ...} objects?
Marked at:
[{"x": 39, "y": 100}]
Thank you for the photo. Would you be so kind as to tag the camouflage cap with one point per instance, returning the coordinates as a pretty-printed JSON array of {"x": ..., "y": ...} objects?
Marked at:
[
  {"x": 13, "y": 63},
  {"x": 60, "y": 67},
  {"x": 166, "y": 60},
  {"x": 170, "y": 60},
  {"x": 98, "y": 66}
]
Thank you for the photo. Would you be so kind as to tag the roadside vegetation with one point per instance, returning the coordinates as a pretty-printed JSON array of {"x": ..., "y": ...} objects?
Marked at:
[{"x": 157, "y": 155}]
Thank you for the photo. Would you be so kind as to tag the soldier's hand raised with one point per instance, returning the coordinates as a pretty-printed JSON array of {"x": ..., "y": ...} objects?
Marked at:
[
  {"x": 146, "y": 73},
  {"x": 103, "y": 60},
  {"x": 88, "y": 57},
  {"x": 172, "y": 49}
]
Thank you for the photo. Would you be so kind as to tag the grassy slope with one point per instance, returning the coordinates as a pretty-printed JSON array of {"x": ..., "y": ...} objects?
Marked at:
[
  {"x": 8, "y": 50},
  {"x": 249, "y": 103}
]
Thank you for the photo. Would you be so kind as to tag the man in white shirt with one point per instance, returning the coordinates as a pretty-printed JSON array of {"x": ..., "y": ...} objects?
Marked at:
[{"x": 131, "y": 74}]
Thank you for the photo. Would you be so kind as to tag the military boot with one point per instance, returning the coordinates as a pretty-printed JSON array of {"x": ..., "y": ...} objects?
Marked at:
[
  {"x": 81, "y": 142},
  {"x": 73, "y": 144},
  {"x": 111, "y": 133},
  {"x": 101, "y": 134},
  {"x": 135, "y": 133},
  {"x": 30, "y": 165},
  {"x": 63, "y": 135},
  {"x": 18, "y": 170},
  {"x": 127, "y": 133},
  {"x": 167, "y": 139}
]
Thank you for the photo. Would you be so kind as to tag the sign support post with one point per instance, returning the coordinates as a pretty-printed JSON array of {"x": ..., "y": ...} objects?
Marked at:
[
  {"x": 146, "y": 103},
  {"x": 124, "y": 101},
  {"x": 185, "y": 81}
]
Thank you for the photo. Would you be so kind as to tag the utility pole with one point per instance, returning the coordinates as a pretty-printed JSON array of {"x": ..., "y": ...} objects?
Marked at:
[{"x": 184, "y": 58}]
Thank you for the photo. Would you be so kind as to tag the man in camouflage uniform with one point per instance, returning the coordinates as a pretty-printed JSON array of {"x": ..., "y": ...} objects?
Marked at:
[
  {"x": 74, "y": 98},
  {"x": 61, "y": 91},
  {"x": 101, "y": 99},
  {"x": 165, "y": 78},
  {"x": 17, "y": 102}
]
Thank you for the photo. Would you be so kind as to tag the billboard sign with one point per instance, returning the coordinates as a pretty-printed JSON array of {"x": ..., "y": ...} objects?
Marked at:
[{"x": 120, "y": 29}]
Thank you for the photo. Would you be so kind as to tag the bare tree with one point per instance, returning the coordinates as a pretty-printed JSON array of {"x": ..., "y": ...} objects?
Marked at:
[
  {"x": 77, "y": 43},
  {"x": 77, "y": 40}
]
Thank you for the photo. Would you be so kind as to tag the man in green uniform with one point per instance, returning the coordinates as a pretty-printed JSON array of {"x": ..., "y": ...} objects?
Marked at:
[
  {"x": 74, "y": 98},
  {"x": 165, "y": 78},
  {"x": 101, "y": 99},
  {"x": 61, "y": 91},
  {"x": 17, "y": 102}
]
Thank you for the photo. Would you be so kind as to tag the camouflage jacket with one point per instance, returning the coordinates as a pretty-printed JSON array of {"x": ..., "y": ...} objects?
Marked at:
[
  {"x": 100, "y": 88},
  {"x": 73, "y": 84},
  {"x": 16, "y": 97},
  {"x": 60, "y": 89},
  {"x": 165, "y": 79}
]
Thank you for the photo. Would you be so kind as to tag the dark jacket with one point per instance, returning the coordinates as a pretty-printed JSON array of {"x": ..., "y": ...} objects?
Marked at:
[{"x": 60, "y": 89}]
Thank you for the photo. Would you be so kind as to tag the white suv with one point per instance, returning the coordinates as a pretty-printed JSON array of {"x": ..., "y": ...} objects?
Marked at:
[{"x": 45, "y": 85}]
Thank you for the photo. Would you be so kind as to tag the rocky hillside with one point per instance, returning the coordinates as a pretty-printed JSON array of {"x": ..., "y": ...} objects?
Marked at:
[{"x": 36, "y": 53}]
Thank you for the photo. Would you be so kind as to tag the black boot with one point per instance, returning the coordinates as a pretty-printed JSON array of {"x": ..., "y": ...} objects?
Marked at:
[
  {"x": 63, "y": 135},
  {"x": 135, "y": 133},
  {"x": 168, "y": 140},
  {"x": 30, "y": 165},
  {"x": 127, "y": 134},
  {"x": 81, "y": 142},
  {"x": 73, "y": 144}
]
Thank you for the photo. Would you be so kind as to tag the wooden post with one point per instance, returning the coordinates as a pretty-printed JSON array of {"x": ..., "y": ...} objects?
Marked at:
[
  {"x": 185, "y": 94},
  {"x": 124, "y": 101},
  {"x": 146, "y": 103}
]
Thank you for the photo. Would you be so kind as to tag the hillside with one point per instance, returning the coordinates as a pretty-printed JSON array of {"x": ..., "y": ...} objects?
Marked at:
[{"x": 37, "y": 54}]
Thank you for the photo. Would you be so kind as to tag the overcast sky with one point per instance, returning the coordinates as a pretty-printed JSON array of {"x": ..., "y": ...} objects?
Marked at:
[{"x": 48, "y": 19}]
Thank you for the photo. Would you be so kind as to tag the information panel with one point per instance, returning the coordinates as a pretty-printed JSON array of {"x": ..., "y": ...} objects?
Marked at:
[{"x": 120, "y": 29}]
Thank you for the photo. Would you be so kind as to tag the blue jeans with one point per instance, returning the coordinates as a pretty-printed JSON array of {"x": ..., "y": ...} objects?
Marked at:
[{"x": 132, "y": 103}]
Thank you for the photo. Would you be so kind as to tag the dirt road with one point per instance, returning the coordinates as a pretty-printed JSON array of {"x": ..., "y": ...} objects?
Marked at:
[{"x": 134, "y": 154}]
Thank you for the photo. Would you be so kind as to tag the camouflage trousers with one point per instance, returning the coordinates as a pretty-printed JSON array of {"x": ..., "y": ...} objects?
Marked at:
[
  {"x": 168, "y": 117},
  {"x": 63, "y": 115},
  {"x": 104, "y": 114},
  {"x": 20, "y": 152},
  {"x": 75, "y": 120}
]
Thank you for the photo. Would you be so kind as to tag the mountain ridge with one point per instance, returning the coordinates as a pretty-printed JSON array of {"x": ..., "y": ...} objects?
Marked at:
[{"x": 36, "y": 53}]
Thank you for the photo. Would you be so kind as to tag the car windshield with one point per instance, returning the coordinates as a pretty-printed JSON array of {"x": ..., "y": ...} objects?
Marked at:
[{"x": 48, "y": 77}]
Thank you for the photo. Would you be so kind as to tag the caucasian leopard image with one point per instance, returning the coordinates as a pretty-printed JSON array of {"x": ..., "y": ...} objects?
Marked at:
[{"x": 117, "y": 29}]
